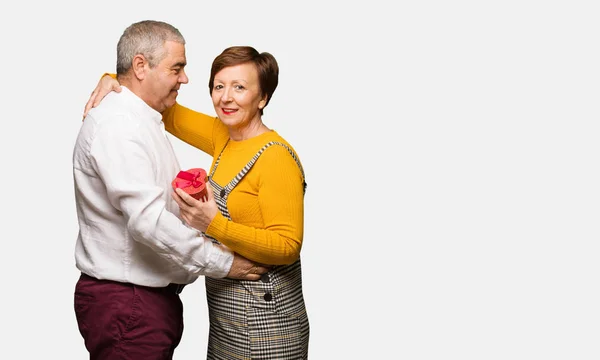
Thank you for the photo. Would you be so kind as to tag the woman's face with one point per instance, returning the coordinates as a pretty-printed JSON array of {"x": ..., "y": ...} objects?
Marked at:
[{"x": 236, "y": 95}]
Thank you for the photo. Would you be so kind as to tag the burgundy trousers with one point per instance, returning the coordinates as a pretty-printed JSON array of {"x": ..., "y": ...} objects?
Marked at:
[{"x": 120, "y": 321}]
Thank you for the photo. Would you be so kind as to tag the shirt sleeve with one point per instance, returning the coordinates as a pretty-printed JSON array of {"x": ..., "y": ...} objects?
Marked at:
[
  {"x": 281, "y": 200},
  {"x": 120, "y": 156}
]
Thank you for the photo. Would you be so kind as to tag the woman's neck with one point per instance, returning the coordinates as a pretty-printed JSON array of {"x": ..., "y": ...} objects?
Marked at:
[{"x": 248, "y": 132}]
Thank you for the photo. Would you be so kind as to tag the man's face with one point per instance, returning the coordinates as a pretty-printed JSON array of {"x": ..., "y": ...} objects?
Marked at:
[{"x": 163, "y": 81}]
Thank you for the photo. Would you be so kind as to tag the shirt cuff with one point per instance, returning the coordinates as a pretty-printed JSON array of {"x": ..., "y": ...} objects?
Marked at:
[{"x": 220, "y": 262}]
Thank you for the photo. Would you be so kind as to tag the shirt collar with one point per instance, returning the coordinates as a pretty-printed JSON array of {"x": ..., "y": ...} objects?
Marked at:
[{"x": 140, "y": 105}]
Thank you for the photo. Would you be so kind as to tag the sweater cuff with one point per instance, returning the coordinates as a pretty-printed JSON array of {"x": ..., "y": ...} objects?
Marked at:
[{"x": 218, "y": 227}]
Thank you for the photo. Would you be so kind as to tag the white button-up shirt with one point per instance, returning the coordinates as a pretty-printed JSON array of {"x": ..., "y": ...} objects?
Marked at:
[{"x": 129, "y": 229}]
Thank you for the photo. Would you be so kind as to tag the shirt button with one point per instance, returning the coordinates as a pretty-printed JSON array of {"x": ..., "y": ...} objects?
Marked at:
[
  {"x": 268, "y": 297},
  {"x": 265, "y": 278},
  {"x": 222, "y": 192}
]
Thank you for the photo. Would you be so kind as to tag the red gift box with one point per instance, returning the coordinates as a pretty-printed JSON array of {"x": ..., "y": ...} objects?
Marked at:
[{"x": 193, "y": 182}]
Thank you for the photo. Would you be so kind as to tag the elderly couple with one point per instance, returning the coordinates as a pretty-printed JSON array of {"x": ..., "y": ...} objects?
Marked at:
[{"x": 140, "y": 242}]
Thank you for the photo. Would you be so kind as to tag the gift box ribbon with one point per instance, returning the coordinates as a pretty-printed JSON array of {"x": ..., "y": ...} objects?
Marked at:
[{"x": 190, "y": 179}]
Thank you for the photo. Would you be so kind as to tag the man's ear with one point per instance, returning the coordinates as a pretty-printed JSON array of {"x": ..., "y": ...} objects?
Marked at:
[{"x": 138, "y": 65}]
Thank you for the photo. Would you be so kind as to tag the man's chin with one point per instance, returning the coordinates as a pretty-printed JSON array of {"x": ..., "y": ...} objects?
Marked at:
[{"x": 170, "y": 102}]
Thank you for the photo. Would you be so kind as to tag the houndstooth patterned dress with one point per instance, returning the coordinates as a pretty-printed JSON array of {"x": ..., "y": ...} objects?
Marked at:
[{"x": 263, "y": 319}]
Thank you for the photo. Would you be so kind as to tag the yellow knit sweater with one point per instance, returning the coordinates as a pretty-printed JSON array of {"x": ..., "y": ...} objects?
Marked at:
[{"x": 267, "y": 206}]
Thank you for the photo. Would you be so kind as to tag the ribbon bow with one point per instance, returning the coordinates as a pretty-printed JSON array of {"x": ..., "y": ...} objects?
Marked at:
[{"x": 191, "y": 179}]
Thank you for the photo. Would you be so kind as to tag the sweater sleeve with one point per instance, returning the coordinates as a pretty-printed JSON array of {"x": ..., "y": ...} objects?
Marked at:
[
  {"x": 197, "y": 129},
  {"x": 281, "y": 203}
]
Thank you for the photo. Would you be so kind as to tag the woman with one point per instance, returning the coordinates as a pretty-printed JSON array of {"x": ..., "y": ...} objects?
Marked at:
[{"x": 256, "y": 209}]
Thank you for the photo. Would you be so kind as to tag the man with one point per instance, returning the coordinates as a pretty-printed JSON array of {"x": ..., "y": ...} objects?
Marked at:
[{"x": 134, "y": 252}]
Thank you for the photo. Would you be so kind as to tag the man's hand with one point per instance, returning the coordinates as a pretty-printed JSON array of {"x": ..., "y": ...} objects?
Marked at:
[{"x": 244, "y": 269}]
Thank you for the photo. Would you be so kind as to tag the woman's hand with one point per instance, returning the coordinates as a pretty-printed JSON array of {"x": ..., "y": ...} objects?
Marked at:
[
  {"x": 195, "y": 213},
  {"x": 105, "y": 85}
]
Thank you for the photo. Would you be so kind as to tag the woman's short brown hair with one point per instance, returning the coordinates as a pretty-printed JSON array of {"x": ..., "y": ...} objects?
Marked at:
[{"x": 265, "y": 63}]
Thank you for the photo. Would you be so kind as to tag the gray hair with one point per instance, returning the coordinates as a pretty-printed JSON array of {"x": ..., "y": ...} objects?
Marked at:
[{"x": 145, "y": 38}]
